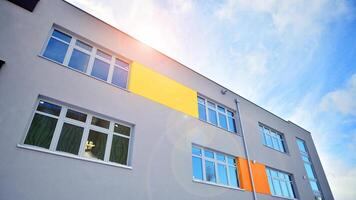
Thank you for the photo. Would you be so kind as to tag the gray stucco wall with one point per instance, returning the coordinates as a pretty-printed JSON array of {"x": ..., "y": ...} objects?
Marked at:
[{"x": 161, "y": 151}]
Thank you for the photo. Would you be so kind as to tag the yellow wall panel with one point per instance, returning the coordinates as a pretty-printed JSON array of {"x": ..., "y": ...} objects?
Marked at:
[{"x": 156, "y": 87}]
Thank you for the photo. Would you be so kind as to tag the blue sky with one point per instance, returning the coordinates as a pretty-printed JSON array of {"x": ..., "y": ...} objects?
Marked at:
[{"x": 296, "y": 58}]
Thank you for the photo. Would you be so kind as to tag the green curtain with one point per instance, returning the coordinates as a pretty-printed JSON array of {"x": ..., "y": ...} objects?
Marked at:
[
  {"x": 70, "y": 138},
  {"x": 119, "y": 150},
  {"x": 41, "y": 131},
  {"x": 99, "y": 140}
]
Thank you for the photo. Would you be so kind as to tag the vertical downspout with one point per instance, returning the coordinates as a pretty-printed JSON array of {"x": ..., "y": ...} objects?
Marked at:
[{"x": 246, "y": 150}]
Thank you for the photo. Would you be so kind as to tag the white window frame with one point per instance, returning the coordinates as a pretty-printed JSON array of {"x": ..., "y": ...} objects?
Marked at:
[
  {"x": 279, "y": 179},
  {"x": 262, "y": 129},
  {"x": 308, "y": 161},
  {"x": 92, "y": 56},
  {"x": 216, "y": 162},
  {"x": 215, "y": 108},
  {"x": 87, "y": 126}
]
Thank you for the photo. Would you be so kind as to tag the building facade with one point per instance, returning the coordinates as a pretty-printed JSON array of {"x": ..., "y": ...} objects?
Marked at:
[{"x": 89, "y": 112}]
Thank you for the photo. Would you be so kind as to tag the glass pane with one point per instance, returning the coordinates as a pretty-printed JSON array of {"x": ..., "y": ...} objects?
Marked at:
[
  {"x": 121, "y": 63},
  {"x": 95, "y": 145},
  {"x": 233, "y": 177},
  {"x": 305, "y": 158},
  {"x": 124, "y": 130},
  {"x": 70, "y": 138},
  {"x": 284, "y": 188},
  {"x": 232, "y": 124},
  {"x": 314, "y": 186},
  {"x": 230, "y": 114},
  {"x": 119, "y": 150},
  {"x": 41, "y": 131},
  {"x": 290, "y": 190},
  {"x": 79, "y": 60},
  {"x": 277, "y": 188},
  {"x": 301, "y": 146},
  {"x": 49, "y": 108},
  {"x": 202, "y": 112},
  {"x": 221, "y": 109},
  {"x": 100, "y": 122},
  {"x": 222, "y": 174},
  {"x": 119, "y": 77},
  {"x": 275, "y": 143},
  {"x": 268, "y": 140},
  {"x": 201, "y": 100},
  {"x": 61, "y": 36},
  {"x": 197, "y": 168},
  {"x": 212, "y": 105},
  {"x": 55, "y": 50},
  {"x": 222, "y": 121},
  {"x": 212, "y": 116},
  {"x": 72, "y": 114},
  {"x": 309, "y": 170},
  {"x": 210, "y": 171},
  {"x": 196, "y": 151},
  {"x": 280, "y": 143},
  {"x": 100, "y": 69},
  {"x": 208, "y": 153},
  {"x": 231, "y": 161},
  {"x": 103, "y": 55},
  {"x": 83, "y": 45},
  {"x": 220, "y": 157}
]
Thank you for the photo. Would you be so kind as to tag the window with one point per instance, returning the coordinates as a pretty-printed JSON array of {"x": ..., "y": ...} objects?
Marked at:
[
  {"x": 62, "y": 129},
  {"x": 213, "y": 167},
  {"x": 280, "y": 183},
  {"x": 217, "y": 115},
  {"x": 272, "y": 138},
  {"x": 76, "y": 54},
  {"x": 309, "y": 168}
]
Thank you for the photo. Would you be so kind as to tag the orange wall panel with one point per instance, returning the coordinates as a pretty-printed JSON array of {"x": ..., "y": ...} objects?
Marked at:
[{"x": 244, "y": 174}]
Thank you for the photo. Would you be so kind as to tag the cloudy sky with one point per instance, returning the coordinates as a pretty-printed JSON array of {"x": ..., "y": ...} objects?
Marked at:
[{"x": 296, "y": 58}]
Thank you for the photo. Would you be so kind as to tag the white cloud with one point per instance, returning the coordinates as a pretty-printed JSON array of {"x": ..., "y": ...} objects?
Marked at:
[{"x": 342, "y": 100}]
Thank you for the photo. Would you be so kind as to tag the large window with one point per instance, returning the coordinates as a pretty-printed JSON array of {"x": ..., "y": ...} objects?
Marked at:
[
  {"x": 76, "y": 54},
  {"x": 309, "y": 168},
  {"x": 216, "y": 114},
  {"x": 213, "y": 167},
  {"x": 59, "y": 128},
  {"x": 272, "y": 138},
  {"x": 280, "y": 183}
]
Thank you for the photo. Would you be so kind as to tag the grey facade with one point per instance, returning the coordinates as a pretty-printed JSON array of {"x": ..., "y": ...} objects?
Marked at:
[{"x": 160, "y": 160}]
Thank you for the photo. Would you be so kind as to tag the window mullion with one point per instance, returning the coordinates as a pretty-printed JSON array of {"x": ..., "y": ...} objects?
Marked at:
[
  {"x": 111, "y": 69},
  {"x": 203, "y": 165},
  {"x": 91, "y": 61},
  {"x": 85, "y": 135},
  {"x": 109, "y": 142},
  {"x": 57, "y": 130},
  {"x": 69, "y": 51}
]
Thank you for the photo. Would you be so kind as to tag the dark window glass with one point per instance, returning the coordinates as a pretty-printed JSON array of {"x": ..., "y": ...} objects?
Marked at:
[
  {"x": 79, "y": 60},
  {"x": 222, "y": 174},
  {"x": 100, "y": 69},
  {"x": 95, "y": 145},
  {"x": 124, "y": 130},
  {"x": 197, "y": 168},
  {"x": 61, "y": 36},
  {"x": 49, "y": 108},
  {"x": 72, "y": 114},
  {"x": 210, "y": 171},
  {"x": 70, "y": 138},
  {"x": 119, "y": 150},
  {"x": 41, "y": 131},
  {"x": 55, "y": 50},
  {"x": 119, "y": 77},
  {"x": 100, "y": 122}
]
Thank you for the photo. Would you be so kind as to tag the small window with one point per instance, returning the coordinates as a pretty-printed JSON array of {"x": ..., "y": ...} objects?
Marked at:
[
  {"x": 215, "y": 114},
  {"x": 57, "y": 46},
  {"x": 77, "y": 135},
  {"x": 214, "y": 167},
  {"x": 280, "y": 183},
  {"x": 100, "y": 69},
  {"x": 272, "y": 139}
]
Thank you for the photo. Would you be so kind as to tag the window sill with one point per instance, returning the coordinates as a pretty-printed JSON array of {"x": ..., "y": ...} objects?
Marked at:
[
  {"x": 216, "y": 184},
  {"x": 23, "y": 146},
  {"x": 93, "y": 77}
]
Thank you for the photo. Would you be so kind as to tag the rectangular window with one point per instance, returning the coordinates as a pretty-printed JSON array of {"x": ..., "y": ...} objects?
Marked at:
[
  {"x": 216, "y": 114},
  {"x": 272, "y": 138},
  {"x": 309, "y": 168},
  {"x": 80, "y": 56},
  {"x": 280, "y": 183},
  {"x": 213, "y": 167},
  {"x": 60, "y": 128}
]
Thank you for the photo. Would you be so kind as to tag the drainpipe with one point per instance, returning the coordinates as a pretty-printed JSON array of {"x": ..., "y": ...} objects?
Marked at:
[{"x": 246, "y": 150}]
